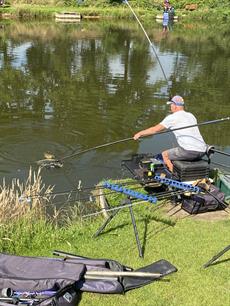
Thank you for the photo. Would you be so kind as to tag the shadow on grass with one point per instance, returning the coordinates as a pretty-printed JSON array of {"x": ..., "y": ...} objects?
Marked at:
[
  {"x": 218, "y": 262},
  {"x": 114, "y": 228},
  {"x": 146, "y": 220}
]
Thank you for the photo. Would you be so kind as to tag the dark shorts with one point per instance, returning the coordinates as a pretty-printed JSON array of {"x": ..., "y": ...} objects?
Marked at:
[{"x": 179, "y": 153}]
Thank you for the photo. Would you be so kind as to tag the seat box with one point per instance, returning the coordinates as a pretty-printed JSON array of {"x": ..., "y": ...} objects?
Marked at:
[{"x": 191, "y": 170}]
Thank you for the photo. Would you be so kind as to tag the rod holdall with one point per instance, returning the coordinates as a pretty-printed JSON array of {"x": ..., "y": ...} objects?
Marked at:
[
  {"x": 39, "y": 280},
  {"x": 45, "y": 281},
  {"x": 121, "y": 284}
]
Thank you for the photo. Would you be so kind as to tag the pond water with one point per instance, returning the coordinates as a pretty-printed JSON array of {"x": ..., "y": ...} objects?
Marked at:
[{"x": 69, "y": 87}]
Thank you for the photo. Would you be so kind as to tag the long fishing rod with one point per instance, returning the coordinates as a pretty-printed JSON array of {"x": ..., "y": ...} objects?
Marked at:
[
  {"x": 131, "y": 138},
  {"x": 220, "y": 152},
  {"x": 97, "y": 147},
  {"x": 170, "y": 194},
  {"x": 154, "y": 51},
  {"x": 218, "y": 164},
  {"x": 78, "y": 189},
  {"x": 160, "y": 196}
]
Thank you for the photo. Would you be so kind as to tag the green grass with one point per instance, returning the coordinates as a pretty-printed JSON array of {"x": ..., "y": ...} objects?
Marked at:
[
  {"x": 43, "y": 10},
  {"x": 187, "y": 244}
]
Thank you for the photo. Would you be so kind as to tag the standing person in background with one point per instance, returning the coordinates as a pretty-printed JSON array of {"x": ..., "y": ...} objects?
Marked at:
[
  {"x": 171, "y": 12},
  {"x": 165, "y": 21},
  {"x": 191, "y": 145}
]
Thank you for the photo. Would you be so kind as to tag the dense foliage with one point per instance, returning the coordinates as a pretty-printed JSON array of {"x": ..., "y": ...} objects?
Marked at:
[{"x": 147, "y": 4}]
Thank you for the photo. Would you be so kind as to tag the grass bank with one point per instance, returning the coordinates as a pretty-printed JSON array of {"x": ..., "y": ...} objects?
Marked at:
[
  {"x": 38, "y": 9},
  {"x": 187, "y": 243},
  {"x": 46, "y": 11}
]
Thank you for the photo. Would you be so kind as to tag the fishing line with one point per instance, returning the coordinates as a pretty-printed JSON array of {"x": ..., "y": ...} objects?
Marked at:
[{"x": 154, "y": 51}]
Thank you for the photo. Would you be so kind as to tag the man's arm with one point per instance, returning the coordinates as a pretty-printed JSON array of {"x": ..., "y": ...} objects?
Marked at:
[{"x": 150, "y": 131}]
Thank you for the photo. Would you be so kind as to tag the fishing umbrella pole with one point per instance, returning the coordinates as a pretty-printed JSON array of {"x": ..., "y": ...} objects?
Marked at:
[{"x": 60, "y": 161}]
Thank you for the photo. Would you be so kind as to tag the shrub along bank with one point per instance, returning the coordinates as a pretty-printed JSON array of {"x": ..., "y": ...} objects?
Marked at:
[
  {"x": 147, "y": 4},
  {"x": 210, "y": 9}
]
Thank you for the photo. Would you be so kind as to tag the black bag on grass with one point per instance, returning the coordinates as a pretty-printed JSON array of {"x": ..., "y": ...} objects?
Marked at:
[{"x": 204, "y": 202}]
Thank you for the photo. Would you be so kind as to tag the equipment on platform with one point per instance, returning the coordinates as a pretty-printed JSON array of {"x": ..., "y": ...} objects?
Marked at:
[
  {"x": 150, "y": 171},
  {"x": 204, "y": 201},
  {"x": 144, "y": 167}
]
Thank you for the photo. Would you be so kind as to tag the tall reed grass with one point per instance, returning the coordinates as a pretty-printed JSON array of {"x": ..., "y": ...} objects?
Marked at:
[{"x": 24, "y": 198}]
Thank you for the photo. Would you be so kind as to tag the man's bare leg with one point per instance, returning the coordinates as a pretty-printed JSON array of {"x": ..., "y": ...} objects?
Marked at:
[{"x": 167, "y": 161}]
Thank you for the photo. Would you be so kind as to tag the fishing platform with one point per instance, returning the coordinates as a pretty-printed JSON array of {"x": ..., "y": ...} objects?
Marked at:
[
  {"x": 189, "y": 185},
  {"x": 197, "y": 177}
]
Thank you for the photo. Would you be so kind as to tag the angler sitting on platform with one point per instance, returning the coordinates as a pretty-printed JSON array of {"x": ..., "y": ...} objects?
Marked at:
[{"x": 191, "y": 144}]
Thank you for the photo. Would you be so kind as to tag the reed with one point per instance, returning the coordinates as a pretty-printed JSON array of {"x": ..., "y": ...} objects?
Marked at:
[{"x": 24, "y": 198}]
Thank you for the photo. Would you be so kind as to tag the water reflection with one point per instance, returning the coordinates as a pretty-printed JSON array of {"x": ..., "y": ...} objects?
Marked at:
[{"x": 65, "y": 88}]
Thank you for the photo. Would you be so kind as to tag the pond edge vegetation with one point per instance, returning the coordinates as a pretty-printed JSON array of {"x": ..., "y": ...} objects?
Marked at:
[{"x": 206, "y": 10}]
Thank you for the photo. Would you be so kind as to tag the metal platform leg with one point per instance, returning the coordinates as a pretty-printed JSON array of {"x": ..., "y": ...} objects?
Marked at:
[
  {"x": 109, "y": 219},
  {"x": 135, "y": 229}
]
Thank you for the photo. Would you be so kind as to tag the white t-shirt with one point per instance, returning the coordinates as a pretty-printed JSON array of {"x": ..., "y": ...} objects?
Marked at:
[{"x": 190, "y": 138}]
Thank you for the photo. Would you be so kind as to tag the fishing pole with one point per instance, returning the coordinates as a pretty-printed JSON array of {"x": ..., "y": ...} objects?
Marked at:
[
  {"x": 220, "y": 152},
  {"x": 172, "y": 193},
  {"x": 217, "y": 164},
  {"x": 74, "y": 200},
  {"x": 78, "y": 189},
  {"x": 97, "y": 147},
  {"x": 131, "y": 138},
  {"x": 91, "y": 197},
  {"x": 162, "y": 196},
  {"x": 154, "y": 51}
]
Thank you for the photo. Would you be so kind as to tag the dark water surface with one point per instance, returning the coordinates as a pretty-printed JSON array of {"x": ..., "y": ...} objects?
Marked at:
[{"x": 68, "y": 87}]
